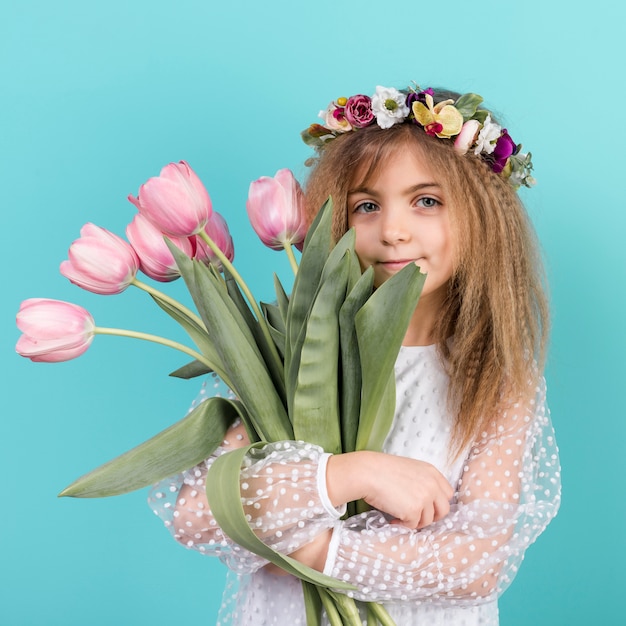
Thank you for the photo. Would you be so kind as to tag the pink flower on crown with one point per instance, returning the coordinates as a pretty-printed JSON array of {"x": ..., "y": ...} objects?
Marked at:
[
  {"x": 358, "y": 111},
  {"x": 465, "y": 139},
  {"x": 335, "y": 119}
]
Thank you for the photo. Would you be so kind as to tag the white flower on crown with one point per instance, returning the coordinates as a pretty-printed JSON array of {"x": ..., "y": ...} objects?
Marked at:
[
  {"x": 487, "y": 137},
  {"x": 389, "y": 106}
]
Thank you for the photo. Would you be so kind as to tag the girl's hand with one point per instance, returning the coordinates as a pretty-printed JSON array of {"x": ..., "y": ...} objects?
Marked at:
[{"x": 415, "y": 493}]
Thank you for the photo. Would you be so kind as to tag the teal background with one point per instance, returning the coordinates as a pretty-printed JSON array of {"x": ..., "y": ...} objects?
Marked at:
[{"x": 98, "y": 96}]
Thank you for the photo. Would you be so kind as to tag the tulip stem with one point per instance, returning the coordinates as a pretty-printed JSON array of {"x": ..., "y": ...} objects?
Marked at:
[
  {"x": 292, "y": 259},
  {"x": 121, "y": 332},
  {"x": 244, "y": 287},
  {"x": 175, "y": 303}
]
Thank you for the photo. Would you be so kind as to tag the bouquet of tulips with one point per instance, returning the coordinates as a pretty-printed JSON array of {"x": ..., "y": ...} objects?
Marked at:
[{"x": 315, "y": 365}]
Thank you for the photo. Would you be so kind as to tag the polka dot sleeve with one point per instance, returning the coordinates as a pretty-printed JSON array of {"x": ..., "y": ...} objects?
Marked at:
[
  {"x": 282, "y": 489},
  {"x": 508, "y": 492}
]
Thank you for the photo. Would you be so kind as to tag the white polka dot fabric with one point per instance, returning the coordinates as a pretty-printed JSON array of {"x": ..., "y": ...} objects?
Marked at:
[{"x": 451, "y": 572}]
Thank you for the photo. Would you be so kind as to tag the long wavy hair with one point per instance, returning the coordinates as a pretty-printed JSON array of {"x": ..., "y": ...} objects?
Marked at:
[{"x": 496, "y": 308}]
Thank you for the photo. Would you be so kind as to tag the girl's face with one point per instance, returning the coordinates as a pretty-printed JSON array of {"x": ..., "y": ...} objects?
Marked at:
[{"x": 401, "y": 217}]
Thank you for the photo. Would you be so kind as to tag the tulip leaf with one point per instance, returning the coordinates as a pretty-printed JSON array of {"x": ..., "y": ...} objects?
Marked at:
[
  {"x": 197, "y": 334},
  {"x": 191, "y": 370},
  {"x": 336, "y": 254},
  {"x": 312, "y": 604},
  {"x": 224, "y": 496},
  {"x": 381, "y": 324},
  {"x": 248, "y": 375},
  {"x": 331, "y": 608},
  {"x": 276, "y": 325},
  {"x": 250, "y": 378},
  {"x": 350, "y": 361},
  {"x": 179, "y": 447},
  {"x": 282, "y": 299},
  {"x": 315, "y": 414},
  {"x": 347, "y": 608},
  {"x": 316, "y": 250},
  {"x": 275, "y": 368},
  {"x": 378, "y": 614}
]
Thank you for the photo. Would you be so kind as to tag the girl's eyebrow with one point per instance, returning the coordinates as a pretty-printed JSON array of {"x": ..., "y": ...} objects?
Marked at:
[{"x": 418, "y": 187}]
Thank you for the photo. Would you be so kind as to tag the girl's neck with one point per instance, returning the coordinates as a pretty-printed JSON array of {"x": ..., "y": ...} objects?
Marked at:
[{"x": 420, "y": 331}]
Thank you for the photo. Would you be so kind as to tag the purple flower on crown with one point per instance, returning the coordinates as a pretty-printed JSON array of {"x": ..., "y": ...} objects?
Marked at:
[
  {"x": 418, "y": 96},
  {"x": 505, "y": 147}
]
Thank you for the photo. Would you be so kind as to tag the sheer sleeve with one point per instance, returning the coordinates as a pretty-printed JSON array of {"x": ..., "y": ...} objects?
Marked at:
[
  {"x": 289, "y": 510},
  {"x": 508, "y": 492},
  {"x": 180, "y": 501}
]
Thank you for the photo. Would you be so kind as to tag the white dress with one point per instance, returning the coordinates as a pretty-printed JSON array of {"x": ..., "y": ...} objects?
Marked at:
[{"x": 507, "y": 489}]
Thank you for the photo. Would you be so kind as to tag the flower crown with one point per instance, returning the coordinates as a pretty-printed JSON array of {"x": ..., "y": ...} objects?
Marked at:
[{"x": 462, "y": 121}]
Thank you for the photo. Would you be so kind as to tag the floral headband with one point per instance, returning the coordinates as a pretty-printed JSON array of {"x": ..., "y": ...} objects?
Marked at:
[{"x": 462, "y": 121}]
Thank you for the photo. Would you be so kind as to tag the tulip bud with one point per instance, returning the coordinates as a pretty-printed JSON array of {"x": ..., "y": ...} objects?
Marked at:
[
  {"x": 155, "y": 258},
  {"x": 53, "y": 331},
  {"x": 217, "y": 230},
  {"x": 276, "y": 210},
  {"x": 176, "y": 201},
  {"x": 100, "y": 261}
]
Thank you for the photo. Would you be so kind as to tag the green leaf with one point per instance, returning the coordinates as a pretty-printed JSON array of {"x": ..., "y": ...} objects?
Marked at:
[
  {"x": 350, "y": 361},
  {"x": 330, "y": 606},
  {"x": 312, "y": 604},
  {"x": 197, "y": 334},
  {"x": 481, "y": 115},
  {"x": 191, "y": 370},
  {"x": 224, "y": 496},
  {"x": 347, "y": 608},
  {"x": 247, "y": 373},
  {"x": 379, "y": 614},
  {"x": 173, "y": 450},
  {"x": 282, "y": 299},
  {"x": 276, "y": 325},
  {"x": 345, "y": 244},
  {"x": 315, "y": 411},
  {"x": 275, "y": 369},
  {"x": 316, "y": 250},
  {"x": 467, "y": 104},
  {"x": 381, "y": 325}
]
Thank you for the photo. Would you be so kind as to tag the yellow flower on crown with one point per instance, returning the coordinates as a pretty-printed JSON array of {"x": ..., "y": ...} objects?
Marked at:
[{"x": 442, "y": 119}]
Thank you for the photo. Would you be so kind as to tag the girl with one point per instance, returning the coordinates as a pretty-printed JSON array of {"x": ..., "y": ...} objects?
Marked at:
[{"x": 469, "y": 476}]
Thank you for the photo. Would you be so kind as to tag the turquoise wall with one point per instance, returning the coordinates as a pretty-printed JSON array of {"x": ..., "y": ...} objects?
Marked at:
[{"x": 98, "y": 96}]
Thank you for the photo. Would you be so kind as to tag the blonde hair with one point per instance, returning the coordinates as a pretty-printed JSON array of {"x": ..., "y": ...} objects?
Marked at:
[{"x": 495, "y": 309}]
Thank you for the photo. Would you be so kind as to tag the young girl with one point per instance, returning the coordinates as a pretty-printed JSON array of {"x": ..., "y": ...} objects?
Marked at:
[{"x": 469, "y": 476}]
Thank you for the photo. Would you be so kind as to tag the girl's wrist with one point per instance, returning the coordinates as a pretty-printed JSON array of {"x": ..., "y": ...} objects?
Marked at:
[{"x": 346, "y": 477}]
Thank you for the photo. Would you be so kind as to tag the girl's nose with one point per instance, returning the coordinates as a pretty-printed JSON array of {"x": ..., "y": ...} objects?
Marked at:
[{"x": 393, "y": 230}]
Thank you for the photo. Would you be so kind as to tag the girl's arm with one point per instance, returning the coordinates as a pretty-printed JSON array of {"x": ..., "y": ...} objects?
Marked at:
[{"x": 509, "y": 491}]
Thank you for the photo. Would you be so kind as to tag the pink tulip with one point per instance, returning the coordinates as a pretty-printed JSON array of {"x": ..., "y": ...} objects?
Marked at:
[
  {"x": 176, "y": 201},
  {"x": 155, "y": 258},
  {"x": 100, "y": 261},
  {"x": 53, "y": 331},
  {"x": 217, "y": 230},
  {"x": 276, "y": 210}
]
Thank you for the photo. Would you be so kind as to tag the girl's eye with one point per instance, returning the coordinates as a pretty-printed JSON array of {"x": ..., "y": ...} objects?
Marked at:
[
  {"x": 428, "y": 203},
  {"x": 366, "y": 207}
]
